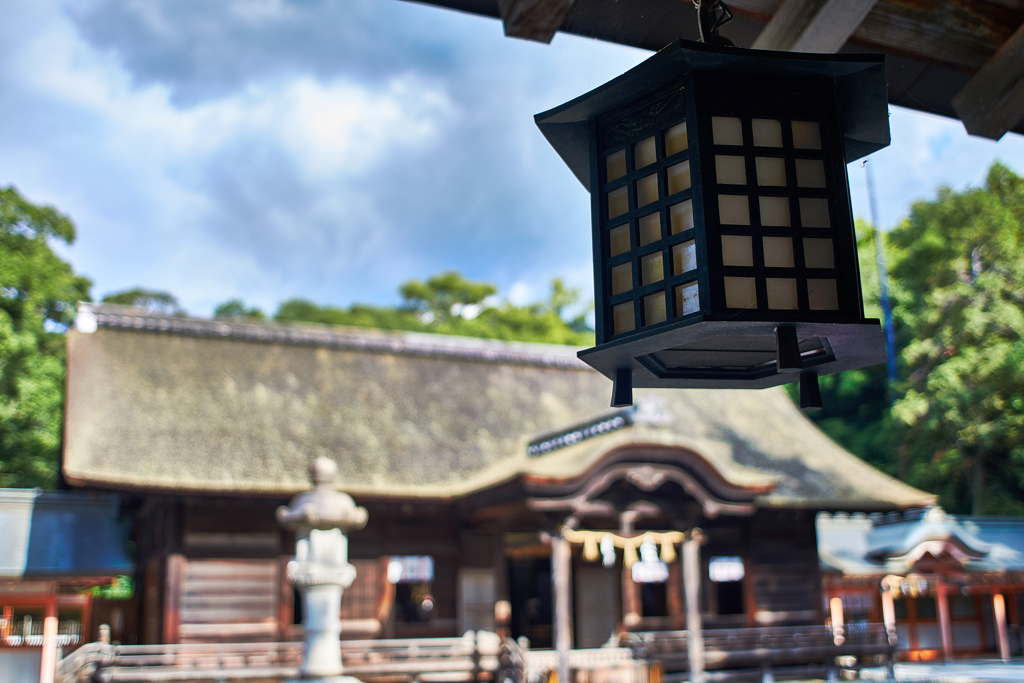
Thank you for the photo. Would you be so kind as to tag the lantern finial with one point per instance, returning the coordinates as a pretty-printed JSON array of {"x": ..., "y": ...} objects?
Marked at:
[{"x": 711, "y": 16}]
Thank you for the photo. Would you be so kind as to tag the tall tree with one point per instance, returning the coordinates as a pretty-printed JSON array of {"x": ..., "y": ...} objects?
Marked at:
[
  {"x": 451, "y": 304},
  {"x": 958, "y": 286},
  {"x": 150, "y": 300},
  {"x": 446, "y": 295},
  {"x": 236, "y": 309},
  {"x": 38, "y": 293}
]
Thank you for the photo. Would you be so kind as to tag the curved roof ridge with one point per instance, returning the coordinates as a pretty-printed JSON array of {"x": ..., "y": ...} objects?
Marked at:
[
  {"x": 935, "y": 526},
  {"x": 91, "y": 316}
]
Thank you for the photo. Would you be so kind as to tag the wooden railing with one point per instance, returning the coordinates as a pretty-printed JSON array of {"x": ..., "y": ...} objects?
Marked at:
[
  {"x": 16, "y": 635},
  {"x": 484, "y": 658},
  {"x": 810, "y": 649},
  {"x": 597, "y": 665},
  {"x": 473, "y": 658},
  {"x": 96, "y": 662}
]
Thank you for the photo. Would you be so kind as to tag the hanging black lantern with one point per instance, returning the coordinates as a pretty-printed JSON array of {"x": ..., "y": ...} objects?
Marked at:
[{"x": 724, "y": 249}]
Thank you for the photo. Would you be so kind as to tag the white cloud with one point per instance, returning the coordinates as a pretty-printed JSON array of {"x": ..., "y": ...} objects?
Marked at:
[
  {"x": 257, "y": 11},
  {"x": 135, "y": 170},
  {"x": 522, "y": 293},
  {"x": 927, "y": 151},
  {"x": 261, "y": 149},
  {"x": 345, "y": 128},
  {"x": 327, "y": 127}
]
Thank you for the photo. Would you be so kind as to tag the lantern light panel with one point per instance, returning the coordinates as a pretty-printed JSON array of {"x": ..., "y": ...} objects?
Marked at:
[{"x": 724, "y": 249}]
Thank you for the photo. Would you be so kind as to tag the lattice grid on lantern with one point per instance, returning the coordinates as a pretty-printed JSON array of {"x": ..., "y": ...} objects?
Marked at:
[
  {"x": 774, "y": 220},
  {"x": 650, "y": 256}
]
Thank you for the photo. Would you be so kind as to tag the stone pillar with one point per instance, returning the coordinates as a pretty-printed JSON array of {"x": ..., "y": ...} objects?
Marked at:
[
  {"x": 691, "y": 585},
  {"x": 320, "y": 519},
  {"x": 561, "y": 570}
]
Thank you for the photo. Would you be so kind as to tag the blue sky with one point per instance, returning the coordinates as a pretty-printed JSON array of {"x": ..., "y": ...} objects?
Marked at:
[{"x": 332, "y": 149}]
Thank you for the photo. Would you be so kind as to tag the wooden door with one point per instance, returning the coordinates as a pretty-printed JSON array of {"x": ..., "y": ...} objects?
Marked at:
[
  {"x": 597, "y": 604},
  {"x": 476, "y": 600},
  {"x": 222, "y": 600}
]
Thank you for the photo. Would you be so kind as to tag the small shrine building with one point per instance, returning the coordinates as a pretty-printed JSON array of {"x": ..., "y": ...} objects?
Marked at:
[{"x": 949, "y": 585}]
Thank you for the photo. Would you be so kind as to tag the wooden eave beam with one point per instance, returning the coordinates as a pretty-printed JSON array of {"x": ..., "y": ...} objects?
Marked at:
[
  {"x": 957, "y": 33},
  {"x": 993, "y": 101},
  {"x": 813, "y": 25},
  {"x": 536, "y": 20}
]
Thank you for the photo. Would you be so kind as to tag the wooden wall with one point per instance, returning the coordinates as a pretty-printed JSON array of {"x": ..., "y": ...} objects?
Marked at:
[
  {"x": 213, "y": 569},
  {"x": 217, "y": 600},
  {"x": 783, "y": 567}
]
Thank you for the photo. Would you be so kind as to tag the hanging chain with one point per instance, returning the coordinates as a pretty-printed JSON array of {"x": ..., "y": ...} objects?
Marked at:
[{"x": 711, "y": 16}]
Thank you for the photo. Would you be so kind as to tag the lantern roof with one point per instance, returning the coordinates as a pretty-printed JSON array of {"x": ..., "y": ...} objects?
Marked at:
[{"x": 859, "y": 82}]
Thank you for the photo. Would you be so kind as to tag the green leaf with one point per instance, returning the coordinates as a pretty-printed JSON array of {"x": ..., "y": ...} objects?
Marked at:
[{"x": 38, "y": 297}]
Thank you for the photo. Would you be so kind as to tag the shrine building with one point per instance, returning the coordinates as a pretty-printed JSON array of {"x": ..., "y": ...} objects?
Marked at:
[{"x": 471, "y": 457}]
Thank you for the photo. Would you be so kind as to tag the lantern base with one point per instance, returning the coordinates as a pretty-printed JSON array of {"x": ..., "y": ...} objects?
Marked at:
[{"x": 731, "y": 354}]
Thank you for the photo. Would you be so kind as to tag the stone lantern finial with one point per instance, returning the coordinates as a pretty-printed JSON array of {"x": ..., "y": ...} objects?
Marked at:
[
  {"x": 324, "y": 507},
  {"x": 324, "y": 471}
]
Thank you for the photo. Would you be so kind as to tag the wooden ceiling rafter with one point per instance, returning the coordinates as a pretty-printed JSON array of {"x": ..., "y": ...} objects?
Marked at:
[
  {"x": 958, "y": 33},
  {"x": 813, "y": 25},
  {"x": 935, "y": 47},
  {"x": 536, "y": 20},
  {"x": 992, "y": 102}
]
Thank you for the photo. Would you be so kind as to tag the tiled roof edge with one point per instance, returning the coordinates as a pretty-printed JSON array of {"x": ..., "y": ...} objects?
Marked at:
[
  {"x": 45, "y": 499},
  {"x": 91, "y": 316}
]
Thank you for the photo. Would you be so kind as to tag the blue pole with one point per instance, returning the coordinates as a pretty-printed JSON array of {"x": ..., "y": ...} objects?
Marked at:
[{"x": 883, "y": 277}]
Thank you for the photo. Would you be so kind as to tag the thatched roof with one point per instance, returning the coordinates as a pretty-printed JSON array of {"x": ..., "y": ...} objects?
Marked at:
[{"x": 198, "y": 405}]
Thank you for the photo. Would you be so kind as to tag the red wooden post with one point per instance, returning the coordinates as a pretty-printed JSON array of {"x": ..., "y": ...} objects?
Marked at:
[
  {"x": 675, "y": 595},
  {"x": 944, "y": 626},
  {"x": 999, "y": 611},
  {"x": 889, "y": 615},
  {"x": 85, "y": 634},
  {"x": 836, "y": 610},
  {"x": 630, "y": 598},
  {"x": 48, "y": 665},
  {"x": 176, "y": 567},
  {"x": 285, "y": 599}
]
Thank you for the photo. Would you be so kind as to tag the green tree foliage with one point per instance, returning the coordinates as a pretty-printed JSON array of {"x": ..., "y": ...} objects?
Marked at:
[
  {"x": 451, "y": 304},
  {"x": 150, "y": 300},
  {"x": 958, "y": 285},
  {"x": 539, "y": 322},
  {"x": 443, "y": 297},
  {"x": 38, "y": 293},
  {"x": 236, "y": 308},
  {"x": 855, "y": 409},
  {"x": 358, "y": 315},
  {"x": 123, "y": 588}
]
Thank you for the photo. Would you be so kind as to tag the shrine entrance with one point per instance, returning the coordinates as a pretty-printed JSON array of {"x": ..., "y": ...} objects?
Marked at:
[{"x": 529, "y": 585}]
